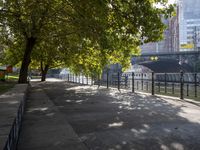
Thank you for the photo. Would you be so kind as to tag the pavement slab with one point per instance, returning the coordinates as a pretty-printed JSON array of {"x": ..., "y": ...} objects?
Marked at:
[
  {"x": 106, "y": 119},
  {"x": 9, "y": 106},
  {"x": 44, "y": 127}
]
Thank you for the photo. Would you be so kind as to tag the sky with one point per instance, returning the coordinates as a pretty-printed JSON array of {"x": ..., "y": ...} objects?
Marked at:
[{"x": 171, "y": 1}]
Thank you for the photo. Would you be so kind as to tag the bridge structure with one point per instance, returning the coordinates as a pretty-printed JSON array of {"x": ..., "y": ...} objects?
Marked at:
[{"x": 192, "y": 58}]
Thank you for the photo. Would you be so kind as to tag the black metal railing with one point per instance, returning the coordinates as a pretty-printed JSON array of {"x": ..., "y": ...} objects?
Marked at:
[{"x": 183, "y": 85}]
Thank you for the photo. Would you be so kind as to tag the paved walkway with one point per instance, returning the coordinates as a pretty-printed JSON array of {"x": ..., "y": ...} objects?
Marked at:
[
  {"x": 44, "y": 127},
  {"x": 11, "y": 106},
  {"x": 107, "y": 120}
]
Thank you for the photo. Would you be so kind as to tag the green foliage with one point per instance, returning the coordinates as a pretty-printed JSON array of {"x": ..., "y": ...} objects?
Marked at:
[{"x": 85, "y": 35}]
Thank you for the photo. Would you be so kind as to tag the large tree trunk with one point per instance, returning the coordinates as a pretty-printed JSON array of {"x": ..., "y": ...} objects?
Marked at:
[
  {"x": 44, "y": 72},
  {"x": 26, "y": 60}
]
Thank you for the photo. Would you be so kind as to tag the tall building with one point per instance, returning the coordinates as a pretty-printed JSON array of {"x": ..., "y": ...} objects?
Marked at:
[
  {"x": 161, "y": 46},
  {"x": 189, "y": 25},
  {"x": 174, "y": 33}
]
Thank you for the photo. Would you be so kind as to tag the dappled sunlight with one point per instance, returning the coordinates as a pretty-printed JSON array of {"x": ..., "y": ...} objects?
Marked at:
[
  {"x": 50, "y": 114},
  {"x": 11, "y": 102},
  {"x": 163, "y": 106},
  {"x": 10, "y": 95},
  {"x": 37, "y": 109},
  {"x": 117, "y": 120},
  {"x": 69, "y": 101},
  {"x": 190, "y": 115},
  {"x": 92, "y": 90},
  {"x": 115, "y": 124},
  {"x": 138, "y": 132},
  {"x": 177, "y": 146}
]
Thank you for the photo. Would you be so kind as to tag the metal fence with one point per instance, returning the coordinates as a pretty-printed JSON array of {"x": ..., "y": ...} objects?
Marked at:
[
  {"x": 11, "y": 143},
  {"x": 183, "y": 85}
]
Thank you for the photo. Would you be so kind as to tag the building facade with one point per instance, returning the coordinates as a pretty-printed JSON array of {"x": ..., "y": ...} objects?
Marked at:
[
  {"x": 161, "y": 46},
  {"x": 189, "y": 25}
]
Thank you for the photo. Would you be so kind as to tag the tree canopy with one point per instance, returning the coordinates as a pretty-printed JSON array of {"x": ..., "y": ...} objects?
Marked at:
[{"x": 86, "y": 35}]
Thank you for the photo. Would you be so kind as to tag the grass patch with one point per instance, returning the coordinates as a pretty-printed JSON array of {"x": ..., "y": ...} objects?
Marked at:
[
  {"x": 12, "y": 78},
  {"x": 6, "y": 86}
]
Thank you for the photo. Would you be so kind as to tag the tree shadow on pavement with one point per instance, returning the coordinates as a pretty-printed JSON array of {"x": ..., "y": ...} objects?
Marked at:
[{"x": 112, "y": 120}]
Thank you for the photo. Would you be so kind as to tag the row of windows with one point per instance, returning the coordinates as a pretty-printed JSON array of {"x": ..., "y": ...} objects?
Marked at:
[
  {"x": 193, "y": 22},
  {"x": 193, "y": 27}
]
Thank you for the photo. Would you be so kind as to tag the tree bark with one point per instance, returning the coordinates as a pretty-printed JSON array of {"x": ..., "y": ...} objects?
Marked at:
[
  {"x": 44, "y": 72},
  {"x": 30, "y": 42}
]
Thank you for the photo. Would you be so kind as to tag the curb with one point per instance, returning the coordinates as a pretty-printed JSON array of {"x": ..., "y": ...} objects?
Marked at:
[{"x": 12, "y": 137}]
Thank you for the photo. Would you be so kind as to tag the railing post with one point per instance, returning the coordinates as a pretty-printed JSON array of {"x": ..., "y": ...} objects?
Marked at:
[
  {"x": 142, "y": 82},
  {"x": 126, "y": 80},
  {"x": 147, "y": 86},
  {"x": 187, "y": 89},
  {"x": 133, "y": 85},
  {"x": 182, "y": 84},
  {"x": 172, "y": 88},
  {"x": 68, "y": 77},
  {"x": 165, "y": 82},
  {"x": 195, "y": 84},
  {"x": 74, "y": 78},
  {"x": 79, "y": 79},
  {"x": 98, "y": 80},
  {"x": 107, "y": 79},
  {"x": 153, "y": 87},
  {"x": 118, "y": 81},
  {"x": 82, "y": 79},
  {"x": 87, "y": 79}
]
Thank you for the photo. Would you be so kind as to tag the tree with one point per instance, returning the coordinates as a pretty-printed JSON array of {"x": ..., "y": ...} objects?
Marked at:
[
  {"x": 111, "y": 26},
  {"x": 46, "y": 55}
]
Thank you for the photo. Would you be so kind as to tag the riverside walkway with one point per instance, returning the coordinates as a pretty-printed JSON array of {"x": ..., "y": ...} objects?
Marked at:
[{"x": 61, "y": 115}]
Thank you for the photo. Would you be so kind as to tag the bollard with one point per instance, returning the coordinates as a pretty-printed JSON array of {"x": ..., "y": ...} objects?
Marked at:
[{"x": 133, "y": 86}]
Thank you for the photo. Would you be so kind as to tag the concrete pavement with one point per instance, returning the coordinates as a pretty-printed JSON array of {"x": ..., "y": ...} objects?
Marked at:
[
  {"x": 11, "y": 111},
  {"x": 110, "y": 120},
  {"x": 63, "y": 116},
  {"x": 44, "y": 127}
]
